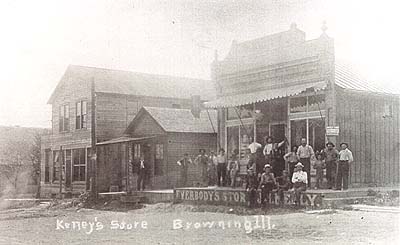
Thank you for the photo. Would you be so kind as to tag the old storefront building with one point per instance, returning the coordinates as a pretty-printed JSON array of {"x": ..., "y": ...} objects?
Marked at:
[
  {"x": 288, "y": 87},
  {"x": 119, "y": 95}
]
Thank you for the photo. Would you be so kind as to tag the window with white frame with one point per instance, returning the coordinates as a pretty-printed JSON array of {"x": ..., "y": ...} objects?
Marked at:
[
  {"x": 64, "y": 118},
  {"x": 81, "y": 115},
  {"x": 79, "y": 165}
]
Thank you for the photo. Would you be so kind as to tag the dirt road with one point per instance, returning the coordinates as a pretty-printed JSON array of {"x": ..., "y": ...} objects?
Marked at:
[{"x": 166, "y": 224}]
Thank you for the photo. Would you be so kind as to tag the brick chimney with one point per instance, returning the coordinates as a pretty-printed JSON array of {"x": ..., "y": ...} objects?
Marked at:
[{"x": 196, "y": 106}]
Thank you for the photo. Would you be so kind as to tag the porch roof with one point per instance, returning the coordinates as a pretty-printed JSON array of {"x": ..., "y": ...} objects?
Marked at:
[
  {"x": 123, "y": 139},
  {"x": 259, "y": 96}
]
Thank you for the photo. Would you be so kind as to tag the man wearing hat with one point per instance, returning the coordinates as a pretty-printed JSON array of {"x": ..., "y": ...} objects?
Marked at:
[
  {"x": 331, "y": 156},
  {"x": 345, "y": 158},
  {"x": 299, "y": 180},
  {"x": 267, "y": 184}
]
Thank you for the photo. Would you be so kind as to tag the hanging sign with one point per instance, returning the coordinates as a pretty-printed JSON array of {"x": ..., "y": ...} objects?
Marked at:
[{"x": 332, "y": 130}]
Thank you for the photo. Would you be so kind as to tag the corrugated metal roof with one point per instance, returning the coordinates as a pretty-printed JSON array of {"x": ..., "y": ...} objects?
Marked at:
[
  {"x": 141, "y": 84},
  {"x": 348, "y": 78},
  {"x": 182, "y": 120},
  {"x": 259, "y": 96}
]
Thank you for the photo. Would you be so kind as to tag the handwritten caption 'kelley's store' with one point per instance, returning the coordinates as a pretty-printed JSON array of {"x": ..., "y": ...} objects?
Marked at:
[
  {"x": 90, "y": 226},
  {"x": 257, "y": 222}
]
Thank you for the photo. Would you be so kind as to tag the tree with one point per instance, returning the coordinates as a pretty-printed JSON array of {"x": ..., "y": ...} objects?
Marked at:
[
  {"x": 35, "y": 160},
  {"x": 15, "y": 162}
]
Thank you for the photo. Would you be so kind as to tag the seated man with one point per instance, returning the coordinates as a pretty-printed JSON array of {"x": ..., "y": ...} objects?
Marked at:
[
  {"x": 299, "y": 180},
  {"x": 284, "y": 184}
]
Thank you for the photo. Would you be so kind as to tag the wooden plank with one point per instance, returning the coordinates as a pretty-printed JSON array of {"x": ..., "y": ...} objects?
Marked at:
[
  {"x": 352, "y": 139},
  {"x": 356, "y": 142},
  {"x": 362, "y": 145},
  {"x": 382, "y": 144},
  {"x": 387, "y": 147},
  {"x": 392, "y": 151},
  {"x": 397, "y": 143},
  {"x": 373, "y": 142},
  {"x": 368, "y": 145}
]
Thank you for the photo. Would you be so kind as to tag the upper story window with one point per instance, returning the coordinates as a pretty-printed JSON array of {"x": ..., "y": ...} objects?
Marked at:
[
  {"x": 81, "y": 115},
  {"x": 244, "y": 111},
  {"x": 63, "y": 124},
  {"x": 307, "y": 103}
]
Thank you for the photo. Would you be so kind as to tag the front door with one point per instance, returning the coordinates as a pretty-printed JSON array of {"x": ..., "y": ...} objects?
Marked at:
[{"x": 278, "y": 132}]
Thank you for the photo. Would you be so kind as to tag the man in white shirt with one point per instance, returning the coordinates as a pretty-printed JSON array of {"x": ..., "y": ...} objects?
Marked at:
[
  {"x": 299, "y": 180},
  {"x": 269, "y": 149},
  {"x": 254, "y": 147},
  {"x": 305, "y": 152},
  {"x": 345, "y": 158}
]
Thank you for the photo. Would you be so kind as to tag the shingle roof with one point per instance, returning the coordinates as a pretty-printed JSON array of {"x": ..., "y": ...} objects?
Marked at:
[
  {"x": 141, "y": 84},
  {"x": 182, "y": 120}
]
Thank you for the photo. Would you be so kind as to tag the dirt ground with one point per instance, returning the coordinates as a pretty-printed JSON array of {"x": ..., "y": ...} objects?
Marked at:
[{"x": 155, "y": 225}]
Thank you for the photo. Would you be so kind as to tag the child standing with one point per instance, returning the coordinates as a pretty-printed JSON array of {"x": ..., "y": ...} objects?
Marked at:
[
  {"x": 233, "y": 167},
  {"x": 319, "y": 165}
]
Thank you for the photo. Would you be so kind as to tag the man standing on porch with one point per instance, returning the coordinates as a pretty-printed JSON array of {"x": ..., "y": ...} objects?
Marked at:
[
  {"x": 202, "y": 161},
  {"x": 305, "y": 152},
  {"x": 141, "y": 174},
  {"x": 345, "y": 158},
  {"x": 331, "y": 156},
  {"x": 184, "y": 165}
]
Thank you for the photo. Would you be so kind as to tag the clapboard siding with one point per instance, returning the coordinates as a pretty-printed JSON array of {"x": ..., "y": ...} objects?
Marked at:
[{"x": 373, "y": 138}]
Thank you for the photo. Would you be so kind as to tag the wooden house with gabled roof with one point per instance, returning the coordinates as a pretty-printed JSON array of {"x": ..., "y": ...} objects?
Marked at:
[{"x": 162, "y": 136}]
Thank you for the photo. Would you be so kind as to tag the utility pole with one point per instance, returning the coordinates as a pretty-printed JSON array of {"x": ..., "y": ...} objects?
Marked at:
[{"x": 93, "y": 167}]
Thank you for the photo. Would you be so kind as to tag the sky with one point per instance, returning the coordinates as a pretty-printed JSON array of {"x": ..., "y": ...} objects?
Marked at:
[{"x": 39, "y": 39}]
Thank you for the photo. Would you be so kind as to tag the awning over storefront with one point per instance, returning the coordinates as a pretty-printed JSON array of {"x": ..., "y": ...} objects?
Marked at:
[{"x": 259, "y": 96}]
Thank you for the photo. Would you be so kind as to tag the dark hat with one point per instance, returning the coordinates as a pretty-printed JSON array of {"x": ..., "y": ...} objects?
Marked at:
[
  {"x": 269, "y": 137},
  {"x": 330, "y": 143},
  {"x": 202, "y": 150},
  {"x": 344, "y": 143}
]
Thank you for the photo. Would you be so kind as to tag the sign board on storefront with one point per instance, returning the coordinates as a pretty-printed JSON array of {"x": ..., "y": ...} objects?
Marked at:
[
  {"x": 235, "y": 197},
  {"x": 332, "y": 130}
]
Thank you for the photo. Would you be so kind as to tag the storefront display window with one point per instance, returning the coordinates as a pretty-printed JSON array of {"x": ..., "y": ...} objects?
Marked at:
[
  {"x": 307, "y": 103},
  {"x": 298, "y": 104},
  {"x": 316, "y": 132}
]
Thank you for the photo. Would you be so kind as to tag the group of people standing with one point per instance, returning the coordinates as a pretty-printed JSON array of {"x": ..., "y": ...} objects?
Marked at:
[
  {"x": 298, "y": 178},
  {"x": 334, "y": 161},
  {"x": 266, "y": 169},
  {"x": 215, "y": 169}
]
